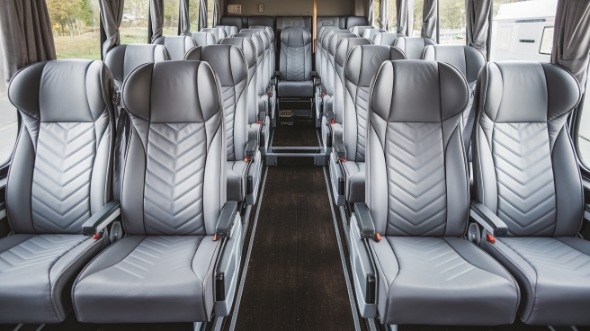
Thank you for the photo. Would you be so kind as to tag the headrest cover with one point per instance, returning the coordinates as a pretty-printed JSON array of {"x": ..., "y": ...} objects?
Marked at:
[
  {"x": 526, "y": 91},
  {"x": 227, "y": 62},
  {"x": 345, "y": 46},
  {"x": 247, "y": 47},
  {"x": 364, "y": 61},
  {"x": 411, "y": 90},
  {"x": 295, "y": 37},
  {"x": 63, "y": 90},
  {"x": 179, "y": 91}
]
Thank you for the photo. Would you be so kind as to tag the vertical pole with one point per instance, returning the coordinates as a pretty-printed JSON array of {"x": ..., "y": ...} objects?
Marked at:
[{"x": 314, "y": 24}]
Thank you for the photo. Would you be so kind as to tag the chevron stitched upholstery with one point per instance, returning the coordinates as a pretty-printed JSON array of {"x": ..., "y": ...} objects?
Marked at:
[
  {"x": 60, "y": 177},
  {"x": 295, "y": 62}
]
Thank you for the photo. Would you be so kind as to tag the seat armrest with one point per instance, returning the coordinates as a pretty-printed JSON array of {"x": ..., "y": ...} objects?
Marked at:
[
  {"x": 101, "y": 219},
  {"x": 338, "y": 145},
  {"x": 483, "y": 216},
  {"x": 364, "y": 220},
  {"x": 251, "y": 148},
  {"x": 2, "y": 210},
  {"x": 261, "y": 117},
  {"x": 226, "y": 219}
]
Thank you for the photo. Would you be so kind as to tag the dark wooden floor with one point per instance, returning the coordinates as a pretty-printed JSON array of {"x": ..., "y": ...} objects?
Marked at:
[{"x": 295, "y": 135}]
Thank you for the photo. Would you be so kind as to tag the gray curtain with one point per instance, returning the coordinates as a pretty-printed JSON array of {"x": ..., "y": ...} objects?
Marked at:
[
  {"x": 383, "y": 10},
  {"x": 371, "y": 12},
  {"x": 157, "y": 18},
  {"x": 25, "y": 33},
  {"x": 218, "y": 11},
  {"x": 203, "y": 14},
  {"x": 429, "y": 19},
  {"x": 111, "y": 14},
  {"x": 571, "y": 38},
  {"x": 478, "y": 13},
  {"x": 405, "y": 16},
  {"x": 185, "y": 20}
]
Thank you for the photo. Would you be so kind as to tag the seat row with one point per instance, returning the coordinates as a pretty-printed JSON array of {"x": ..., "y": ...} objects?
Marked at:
[
  {"x": 180, "y": 255},
  {"x": 422, "y": 252}
]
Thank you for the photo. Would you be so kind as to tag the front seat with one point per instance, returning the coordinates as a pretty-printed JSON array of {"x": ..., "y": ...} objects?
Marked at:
[
  {"x": 181, "y": 232},
  {"x": 177, "y": 46},
  {"x": 244, "y": 160},
  {"x": 527, "y": 180},
  {"x": 59, "y": 181},
  {"x": 295, "y": 64},
  {"x": 417, "y": 203},
  {"x": 123, "y": 59},
  {"x": 413, "y": 46}
]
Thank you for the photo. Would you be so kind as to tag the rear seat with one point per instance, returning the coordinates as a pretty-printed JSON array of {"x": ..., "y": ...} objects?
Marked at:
[
  {"x": 176, "y": 46},
  {"x": 413, "y": 46},
  {"x": 295, "y": 64}
]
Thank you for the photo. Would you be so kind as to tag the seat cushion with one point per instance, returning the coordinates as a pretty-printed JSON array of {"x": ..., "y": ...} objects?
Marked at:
[
  {"x": 35, "y": 273},
  {"x": 355, "y": 181},
  {"x": 443, "y": 281},
  {"x": 295, "y": 89},
  {"x": 554, "y": 277},
  {"x": 148, "y": 279}
]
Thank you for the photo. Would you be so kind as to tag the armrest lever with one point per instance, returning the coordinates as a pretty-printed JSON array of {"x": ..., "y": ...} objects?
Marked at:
[
  {"x": 226, "y": 219},
  {"x": 364, "y": 220},
  {"x": 486, "y": 218},
  {"x": 101, "y": 219}
]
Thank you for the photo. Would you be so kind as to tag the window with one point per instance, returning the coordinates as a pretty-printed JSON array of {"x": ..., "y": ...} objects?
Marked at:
[
  {"x": 418, "y": 10},
  {"x": 452, "y": 21},
  {"x": 76, "y": 28},
  {"x": 522, "y": 30},
  {"x": 171, "y": 14},
  {"x": 8, "y": 119},
  {"x": 584, "y": 129},
  {"x": 134, "y": 27},
  {"x": 546, "y": 41},
  {"x": 210, "y": 7},
  {"x": 392, "y": 15},
  {"x": 193, "y": 9}
]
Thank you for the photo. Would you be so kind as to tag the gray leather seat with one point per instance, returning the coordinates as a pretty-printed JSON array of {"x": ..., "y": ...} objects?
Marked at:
[
  {"x": 173, "y": 202},
  {"x": 322, "y": 30},
  {"x": 469, "y": 62},
  {"x": 371, "y": 33},
  {"x": 271, "y": 66},
  {"x": 386, "y": 38},
  {"x": 295, "y": 64},
  {"x": 359, "y": 30},
  {"x": 347, "y": 162},
  {"x": 526, "y": 175},
  {"x": 244, "y": 160},
  {"x": 123, "y": 59},
  {"x": 332, "y": 123},
  {"x": 204, "y": 38},
  {"x": 418, "y": 200},
  {"x": 59, "y": 178},
  {"x": 176, "y": 46},
  {"x": 413, "y": 46},
  {"x": 230, "y": 30},
  {"x": 218, "y": 33}
]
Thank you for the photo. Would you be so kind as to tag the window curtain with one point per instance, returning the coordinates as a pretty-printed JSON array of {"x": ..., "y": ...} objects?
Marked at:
[
  {"x": 405, "y": 17},
  {"x": 111, "y": 14},
  {"x": 25, "y": 33},
  {"x": 185, "y": 21},
  {"x": 157, "y": 18},
  {"x": 371, "y": 13},
  {"x": 218, "y": 11},
  {"x": 429, "y": 17},
  {"x": 383, "y": 10},
  {"x": 202, "y": 14},
  {"x": 571, "y": 38},
  {"x": 478, "y": 14}
]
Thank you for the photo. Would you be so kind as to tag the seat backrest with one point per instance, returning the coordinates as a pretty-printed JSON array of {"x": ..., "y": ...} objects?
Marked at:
[
  {"x": 524, "y": 162},
  {"x": 355, "y": 21},
  {"x": 417, "y": 181},
  {"x": 331, "y": 52},
  {"x": 62, "y": 162},
  {"x": 230, "y": 30},
  {"x": 359, "y": 30},
  {"x": 249, "y": 51},
  {"x": 237, "y": 21},
  {"x": 371, "y": 33},
  {"x": 123, "y": 59},
  {"x": 343, "y": 48},
  {"x": 176, "y": 46},
  {"x": 325, "y": 42},
  {"x": 267, "y": 44},
  {"x": 386, "y": 38},
  {"x": 217, "y": 33},
  {"x": 413, "y": 46},
  {"x": 319, "y": 51},
  {"x": 175, "y": 111},
  {"x": 204, "y": 38},
  {"x": 260, "y": 79},
  {"x": 273, "y": 44},
  {"x": 229, "y": 63},
  {"x": 295, "y": 61},
  {"x": 360, "y": 69},
  {"x": 260, "y": 20},
  {"x": 337, "y": 21}
]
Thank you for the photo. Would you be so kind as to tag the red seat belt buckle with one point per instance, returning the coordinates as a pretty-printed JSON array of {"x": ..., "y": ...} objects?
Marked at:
[{"x": 490, "y": 238}]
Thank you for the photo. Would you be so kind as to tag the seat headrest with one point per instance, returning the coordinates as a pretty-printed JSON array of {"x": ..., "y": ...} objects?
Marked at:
[
  {"x": 268, "y": 29},
  {"x": 123, "y": 59},
  {"x": 237, "y": 21},
  {"x": 370, "y": 33},
  {"x": 413, "y": 90},
  {"x": 203, "y": 38},
  {"x": 63, "y": 90},
  {"x": 173, "y": 92},
  {"x": 467, "y": 59},
  {"x": 386, "y": 38},
  {"x": 355, "y": 21},
  {"x": 364, "y": 61},
  {"x": 295, "y": 37},
  {"x": 229, "y": 29},
  {"x": 526, "y": 91},
  {"x": 255, "y": 39},
  {"x": 227, "y": 61},
  {"x": 360, "y": 29},
  {"x": 215, "y": 32},
  {"x": 413, "y": 46},
  {"x": 324, "y": 29},
  {"x": 264, "y": 37},
  {"x": 177, "y": 46},
  {"x": 246, "y": 45},
  {"x": 345, "y": 46},
  {"x": 333, "y": 42}
]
